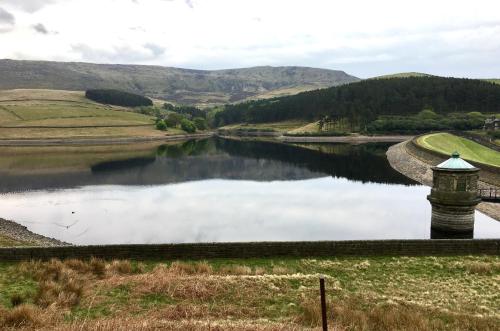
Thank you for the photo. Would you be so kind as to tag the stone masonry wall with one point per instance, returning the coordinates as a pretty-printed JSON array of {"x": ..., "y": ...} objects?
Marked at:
[{"x": 260, "y": 250}]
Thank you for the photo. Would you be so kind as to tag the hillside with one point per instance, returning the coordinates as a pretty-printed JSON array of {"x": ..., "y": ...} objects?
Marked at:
[
  {"x": 421, "y": 74},
  {"x": 178, "y": 85},
  {"x": 364, "y": 102},
  {"x": 41, "y": 114},
  {"x": 446, "y": 144},
  {"x": 403, "y": 75}
]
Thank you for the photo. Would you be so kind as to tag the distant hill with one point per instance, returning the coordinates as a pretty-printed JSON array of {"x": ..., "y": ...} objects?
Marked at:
[{"x": 185, "y": 86}]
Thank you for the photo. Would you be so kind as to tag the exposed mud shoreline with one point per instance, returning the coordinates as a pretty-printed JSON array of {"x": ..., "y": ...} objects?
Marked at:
[
  {"x": 98, "y": 141},
  {"x": 419, "y": 169}
]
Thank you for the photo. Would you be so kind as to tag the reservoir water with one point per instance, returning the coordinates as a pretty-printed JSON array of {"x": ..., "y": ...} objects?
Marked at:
[{"x": 214, "y": 190}]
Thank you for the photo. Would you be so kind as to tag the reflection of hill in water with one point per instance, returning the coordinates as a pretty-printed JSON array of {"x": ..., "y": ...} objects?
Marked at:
[
  {"x": 225, "y": 159},
  {"x": 366, "y": 162}
]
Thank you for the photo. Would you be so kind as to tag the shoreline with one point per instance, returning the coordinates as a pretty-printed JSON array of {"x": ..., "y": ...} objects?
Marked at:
[
  {"x": 127, "y": 140},
  {"x": 419, "y": 169},
  {"x": 98, "y": 141},
  {"x": 345, "y": 139}
]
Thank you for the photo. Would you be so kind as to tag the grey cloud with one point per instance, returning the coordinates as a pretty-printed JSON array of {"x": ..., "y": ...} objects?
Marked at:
[
  {"x": 7, "y": 21},
  {"x": 155, "y": 49},
  {"x": 29, "y": 5},
  {"x": 40, "y": 28},
  {"x": 119, "y": 54}
]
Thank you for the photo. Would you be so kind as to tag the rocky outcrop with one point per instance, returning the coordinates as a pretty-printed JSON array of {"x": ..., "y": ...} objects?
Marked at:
[{"x": 20, "y": 235}]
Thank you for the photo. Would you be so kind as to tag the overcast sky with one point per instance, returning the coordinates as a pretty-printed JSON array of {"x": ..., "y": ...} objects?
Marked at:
[{"x": 364, "y": 38}]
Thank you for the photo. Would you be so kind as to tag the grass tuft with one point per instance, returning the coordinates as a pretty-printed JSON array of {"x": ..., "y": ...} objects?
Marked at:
[{"x": 20, "y": 316}]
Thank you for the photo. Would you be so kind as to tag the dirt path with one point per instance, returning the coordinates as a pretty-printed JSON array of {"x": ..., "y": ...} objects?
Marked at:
[{"x": 420, "y": 171}]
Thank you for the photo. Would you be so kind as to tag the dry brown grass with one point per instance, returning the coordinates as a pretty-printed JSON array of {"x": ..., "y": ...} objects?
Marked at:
[
  {"x": 236, "y": 270},
  {"x": 280, "y": 295},
  {"x": 279, "y": 270},
  {"x": 122, "y": 267},
  {"x": 260, "y": 271},
  {"x": 174, "y": 283},
  {"x": 183, "y": 268},
  {"x": 20, "y": 316},
  {"x": 482, "y": 268},
  {"x": 356, "y": 313},
  {"x": 139, "y": 324},
  {"x": 62, "y": 283}
]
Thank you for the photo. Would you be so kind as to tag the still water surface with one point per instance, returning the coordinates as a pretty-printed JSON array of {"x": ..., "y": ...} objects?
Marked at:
[{"x": 216, "y": 190}]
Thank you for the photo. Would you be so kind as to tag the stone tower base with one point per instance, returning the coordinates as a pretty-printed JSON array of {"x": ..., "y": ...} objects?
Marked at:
[{"x": 455, "y": 219}]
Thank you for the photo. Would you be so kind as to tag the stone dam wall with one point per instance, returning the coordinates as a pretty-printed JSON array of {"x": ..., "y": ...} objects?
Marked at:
[{"x": 421, "y": 247}]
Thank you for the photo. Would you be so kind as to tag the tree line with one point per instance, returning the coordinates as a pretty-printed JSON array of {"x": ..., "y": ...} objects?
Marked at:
[
  {"x": 117, "y": 98},
  {"x": 363, "y": 102}
]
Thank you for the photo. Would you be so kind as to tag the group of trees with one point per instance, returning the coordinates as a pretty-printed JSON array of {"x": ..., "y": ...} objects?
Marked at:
[
  {"x": 426, "y": 120},
  {"x": 188, "y": 118},
  {"x": 189, "y": 112},
  {"x": 364, "y": 102},
  {"x": 173, "y": 120},
  {"x": 118, "y": 98}
]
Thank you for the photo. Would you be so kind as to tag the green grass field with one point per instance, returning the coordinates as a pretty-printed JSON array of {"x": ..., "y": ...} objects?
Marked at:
[
  {"x": 469, "y": 150},
  {"x": 40, "y": 114},
  {"x": 375, "y": 293}
]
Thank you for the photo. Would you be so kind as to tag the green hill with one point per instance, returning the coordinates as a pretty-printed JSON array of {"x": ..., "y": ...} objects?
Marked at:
[
  {"x": 41, "y": 114},
  {"x": 446, "y": 144},
  {"x": 185, "y": 86}
]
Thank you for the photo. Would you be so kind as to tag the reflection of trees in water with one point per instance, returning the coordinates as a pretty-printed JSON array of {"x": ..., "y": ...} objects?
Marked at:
[
  {"x": 226, "y": 159},
  {"x": 188, "y": 148},
  {"x": 366, "y": 162}
]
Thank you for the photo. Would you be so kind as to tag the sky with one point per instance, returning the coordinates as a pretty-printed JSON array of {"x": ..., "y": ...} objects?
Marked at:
[{"x": 364, "y": 38}]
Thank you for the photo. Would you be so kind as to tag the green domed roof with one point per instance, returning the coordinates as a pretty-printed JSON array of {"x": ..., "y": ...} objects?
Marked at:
[{"x": 455, "y": 162}]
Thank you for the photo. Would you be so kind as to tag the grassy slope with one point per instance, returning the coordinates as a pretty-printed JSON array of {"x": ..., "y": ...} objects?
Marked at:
[
  {"x": 469, "y": 150},
  {"x": 69, "y": 115},
  {"x": 402, "y": 75},
  {"x": 285, "y": 91},
  {"x": 283, "y": 126},
  {"x": 377, "y": 293}
]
